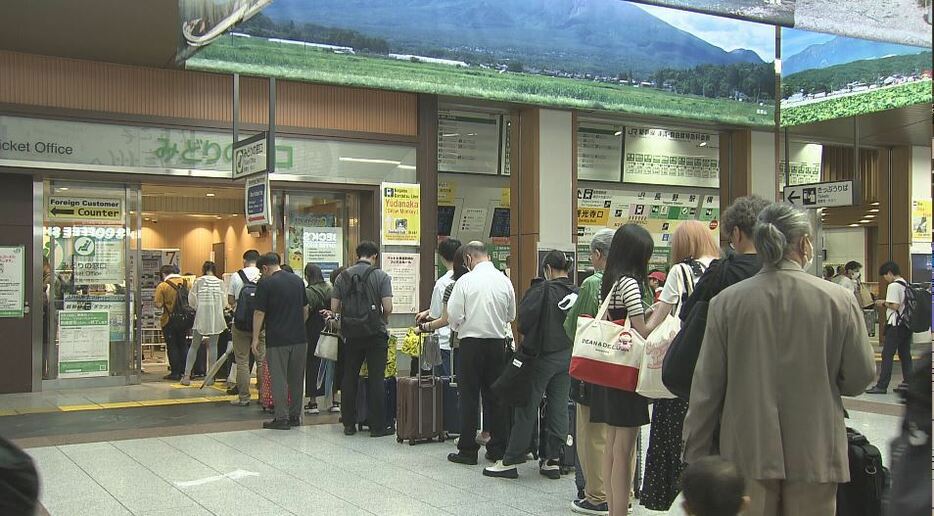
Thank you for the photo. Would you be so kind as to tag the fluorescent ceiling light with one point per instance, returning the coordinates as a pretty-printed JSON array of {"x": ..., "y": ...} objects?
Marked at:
[
  {"x": 63, "y": 189},
  {"x": 865, "y": 221},
  {"x": 778, "y": 67},
  {"x": 407, "y": 167},
  {"x": 854, "y": 225},
  {"x": 617, "y": 133},
  {"x": 210, "y": 194},
  {"x": 874, "y": 210},
  {"x": 869, "y": 216},
  {"x": 370, "y": 160}
]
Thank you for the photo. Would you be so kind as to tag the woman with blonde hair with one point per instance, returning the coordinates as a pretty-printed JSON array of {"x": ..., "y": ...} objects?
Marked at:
[{"x": 692, "y": 249}]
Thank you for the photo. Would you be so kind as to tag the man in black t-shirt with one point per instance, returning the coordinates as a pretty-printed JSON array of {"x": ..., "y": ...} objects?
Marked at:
[{"x": 281, "y": 304}]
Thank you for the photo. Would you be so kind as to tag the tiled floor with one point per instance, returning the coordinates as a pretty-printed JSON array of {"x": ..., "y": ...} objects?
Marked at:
[{"x": 308, "y": 470}]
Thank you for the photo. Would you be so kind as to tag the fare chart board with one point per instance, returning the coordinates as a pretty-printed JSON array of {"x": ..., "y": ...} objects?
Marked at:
[
  {"x": 672, "y": 157},
  {"x": 469, "y": 142}
]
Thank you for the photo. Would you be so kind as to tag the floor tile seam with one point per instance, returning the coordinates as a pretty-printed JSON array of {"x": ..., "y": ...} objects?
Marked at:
[{"x": 93, "y": 479}]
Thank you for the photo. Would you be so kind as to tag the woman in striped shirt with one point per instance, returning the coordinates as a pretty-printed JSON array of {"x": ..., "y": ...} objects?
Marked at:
[{"x": 623, "y": 412}]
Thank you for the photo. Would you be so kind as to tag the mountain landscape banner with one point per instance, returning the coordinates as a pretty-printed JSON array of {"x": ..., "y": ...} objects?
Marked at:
[
  {"x": 907, "y": 22},
  {"x": 606, "y": 55},
  {"x": 826, "y": 77}
]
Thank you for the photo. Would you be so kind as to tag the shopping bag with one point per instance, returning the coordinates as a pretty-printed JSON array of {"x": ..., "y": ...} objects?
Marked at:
[
  {"x": 864, "y": 296},
  {"x": 653, "y": 356},
  {"x": 606, "y": 353},
  {"x": 327, "y": 344}
]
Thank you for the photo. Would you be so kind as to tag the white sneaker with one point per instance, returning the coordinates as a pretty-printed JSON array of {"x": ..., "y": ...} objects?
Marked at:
[
  {"x": 334, "y": 409},
  {"x": 499, "y": 470}
]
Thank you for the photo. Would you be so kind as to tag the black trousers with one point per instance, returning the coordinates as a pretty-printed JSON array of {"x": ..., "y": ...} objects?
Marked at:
[
  {"x": 481, "y": 361},
  {"x": 176, "y": 347},
  {"x": 897, "y": 339},
  {"x": 312, "y": 364},
  {"x": 373, "y": 351}
]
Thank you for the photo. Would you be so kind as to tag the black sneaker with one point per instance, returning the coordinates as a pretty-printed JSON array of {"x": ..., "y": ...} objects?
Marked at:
[
  {"x": 500, "y": 470},
  {"x": 277, "y": 424},
  {"x": 383, "y": 433},
  {"x": 350, "y": 430},
  {"x": 295, "y": 421},
  {"x": 233, "y": 391},
  {"x": 492, "y": 457},
  {"x": 312, "y": 409},
  {"x": 551, "y": 469},
  {"x": 583, "y": 506},
  {"x": 877, "y": 390},
  {"x": 462, "y": 458}
]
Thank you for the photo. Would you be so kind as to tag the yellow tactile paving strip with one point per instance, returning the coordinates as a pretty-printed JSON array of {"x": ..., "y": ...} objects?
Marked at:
[{"x": 130, "y": 404}]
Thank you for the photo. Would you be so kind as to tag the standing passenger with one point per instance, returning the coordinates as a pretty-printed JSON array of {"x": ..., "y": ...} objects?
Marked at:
[
  {"x": 692, "y": 250},
  {"x": 481, "y": 307},
  {"x": 771, "y": 372},
  {"x": 165, "y": 297},
  {"x": 240, "y": 297},
  {"x": 319, "y": 298},
  {"x": 207, "y": 298},
  {"x": 282, "y": 307},
  {"x": 623, "y": 412},
  {"x": 590, "y": 437},
  {"x": 897, "y": 333}
]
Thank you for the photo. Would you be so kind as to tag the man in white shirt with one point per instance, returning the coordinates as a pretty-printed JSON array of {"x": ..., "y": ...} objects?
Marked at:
[
  {"x": 897, "y": 334},
  {"x": 481, "y": 309},
  {"x": 243, "y": 337},
  {"x": 446, "y": 250}
]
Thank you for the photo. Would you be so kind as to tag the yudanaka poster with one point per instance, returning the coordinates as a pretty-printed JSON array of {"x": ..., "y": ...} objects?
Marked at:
[{"x": 401, "y": 210}]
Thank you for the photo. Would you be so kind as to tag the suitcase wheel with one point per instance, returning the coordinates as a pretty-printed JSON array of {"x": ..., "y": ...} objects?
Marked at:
[
  {"x": 399, "y": 440},
  {"x": 411, "y": 442}
]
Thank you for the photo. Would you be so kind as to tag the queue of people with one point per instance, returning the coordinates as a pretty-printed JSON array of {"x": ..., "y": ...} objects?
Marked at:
[{"x": 757, "y": 425}]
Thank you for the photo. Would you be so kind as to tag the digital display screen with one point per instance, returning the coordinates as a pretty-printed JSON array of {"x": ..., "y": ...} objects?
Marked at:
[
  {"x": 500, "y": 226},
  {"x": 445, "y": 220}
]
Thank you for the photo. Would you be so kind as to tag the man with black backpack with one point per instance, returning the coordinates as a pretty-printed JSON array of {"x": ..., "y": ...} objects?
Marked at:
[
  {"x": 241, "y": 297},
  {"x": 171, "y": 297},
  {"x": 897, "y": 326},
  {"x": 362, "y": 303}
]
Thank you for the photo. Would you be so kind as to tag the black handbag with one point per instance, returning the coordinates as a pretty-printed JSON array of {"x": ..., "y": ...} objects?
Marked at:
[{"x": 514, "y": 387}]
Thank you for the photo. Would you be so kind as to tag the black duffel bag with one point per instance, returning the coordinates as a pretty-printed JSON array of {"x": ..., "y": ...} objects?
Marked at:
[{"x": 19, "y": 481}]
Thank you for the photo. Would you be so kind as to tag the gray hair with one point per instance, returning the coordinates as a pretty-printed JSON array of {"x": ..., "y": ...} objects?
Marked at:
[
  {"x": 780, "y": 228},
  {"x": 602, "y": 240},
  {"x": 475, "y": 248},
  {"x": 742, "y": 214}
]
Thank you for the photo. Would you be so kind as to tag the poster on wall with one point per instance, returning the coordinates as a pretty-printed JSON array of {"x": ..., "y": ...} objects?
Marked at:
[
  {"x": 468, "y": 142},
  {"x": 403, "y": 269},
  {"x": 12, "y": 281},
  {"x": 323, "y": 246},
  {"x": 114, "y": 305},
  {"x": 84, "y": 343},
  {"x": 921, "y": 221},
  {"x": 599, "y": 152},
  {"x": 673, "y": 157},
  {"x": 401, "y": 214}
]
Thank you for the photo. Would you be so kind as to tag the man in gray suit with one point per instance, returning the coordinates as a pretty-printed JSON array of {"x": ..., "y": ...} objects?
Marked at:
[{"x": 779, "y": 350}]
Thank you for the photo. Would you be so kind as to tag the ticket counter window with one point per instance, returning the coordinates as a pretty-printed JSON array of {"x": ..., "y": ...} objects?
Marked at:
[{"x": 86, "y": 241}]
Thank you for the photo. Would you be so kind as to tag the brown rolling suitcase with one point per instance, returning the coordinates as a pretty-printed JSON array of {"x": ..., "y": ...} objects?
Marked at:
[{"x": 419, "y": 410}]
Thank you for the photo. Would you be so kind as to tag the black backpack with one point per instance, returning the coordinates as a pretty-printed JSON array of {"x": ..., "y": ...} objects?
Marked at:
[
  {"x": 182, "y": 316},
  {"x": 917, "y": 313},
  {"x": 869, "y": 479},
  {"x": 361, "y": 308},
  {"x": 246, "y": 304}
]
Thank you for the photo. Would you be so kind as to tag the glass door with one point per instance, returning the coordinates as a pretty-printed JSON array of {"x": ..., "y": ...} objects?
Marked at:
[
  {"x": 319, "y": 228},
  {"x": 89, "y": 240}
]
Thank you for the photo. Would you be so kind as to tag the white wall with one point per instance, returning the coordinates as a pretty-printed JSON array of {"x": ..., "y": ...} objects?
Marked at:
[
  {"x": 845, "y": 244},
  {"x": 763, "y": 164},
  {"x": 556, "y": 138}
]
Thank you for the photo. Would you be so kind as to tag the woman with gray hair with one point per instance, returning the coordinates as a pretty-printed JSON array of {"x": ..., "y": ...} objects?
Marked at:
[
  {"x": 779, "y": 350},
  {"x": 590, "y": 437}
]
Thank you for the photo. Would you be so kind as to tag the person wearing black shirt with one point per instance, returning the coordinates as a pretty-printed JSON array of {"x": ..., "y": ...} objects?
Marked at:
[{"x": 281, "y": 304}]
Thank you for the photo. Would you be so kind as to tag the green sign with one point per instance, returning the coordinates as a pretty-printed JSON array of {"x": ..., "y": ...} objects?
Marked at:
[{"x": 84, "y": 343}]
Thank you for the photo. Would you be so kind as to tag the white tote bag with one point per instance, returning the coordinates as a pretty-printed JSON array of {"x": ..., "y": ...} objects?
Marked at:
[
  {"x": 656, "y": 347},
  {"x": 606, "y": 353},
  {"x": 327, "y": 344}
]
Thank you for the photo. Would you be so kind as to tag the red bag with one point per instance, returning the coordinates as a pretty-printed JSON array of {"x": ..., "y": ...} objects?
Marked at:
[{"x": 265, "y": 389}]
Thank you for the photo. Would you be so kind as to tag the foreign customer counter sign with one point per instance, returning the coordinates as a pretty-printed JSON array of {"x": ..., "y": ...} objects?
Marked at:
[
  {"x": 85, "y": 208},
  {"x": 820, "y": 195}
]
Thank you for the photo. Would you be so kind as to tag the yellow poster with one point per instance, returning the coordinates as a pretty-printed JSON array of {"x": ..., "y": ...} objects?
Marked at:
[
  {"x": 921, "y": 221},
  {"x": 401, "y": 214},
  {"x": 447, "y": 192},
  {"x": 593, "y": 216}
]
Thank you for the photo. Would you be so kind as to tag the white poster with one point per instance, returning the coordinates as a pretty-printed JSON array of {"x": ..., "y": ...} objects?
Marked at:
[
  {"x": 12, "y": 285},
  {"x": 599, "y": 152},
  {"x": 403, "y": 269},
  {"x": 84, "y": 343},
  {"x": 114, "y": 305},
  {"x": 672, "y": 157},
  {"x": 805, "y": 164},
  {"x": 323, "y": 246},
  {"x": 468, "y": 142},
  {"x": 98, "y": 262},
  {"x": 473, "y": 220}
]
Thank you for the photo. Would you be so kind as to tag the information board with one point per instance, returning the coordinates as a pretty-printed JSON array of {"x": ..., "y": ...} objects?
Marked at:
[
  {"x": 12, "y": 281},
  {"x": 672, "y": 157},
  {"x": 468, "y": 142},
  {"x": 403, "y": 269},
  {"x": 84, "y": 343},
  {"x": 599, "y": 152}
]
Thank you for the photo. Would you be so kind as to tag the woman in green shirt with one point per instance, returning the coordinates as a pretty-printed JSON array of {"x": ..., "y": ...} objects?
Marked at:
[{"x": 591, "y": 437}]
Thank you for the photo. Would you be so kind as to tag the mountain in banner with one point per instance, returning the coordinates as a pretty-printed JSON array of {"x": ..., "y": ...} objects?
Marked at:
[
  {"x": 841, "y": 50},
  {"x": 600, "y": 37}
]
